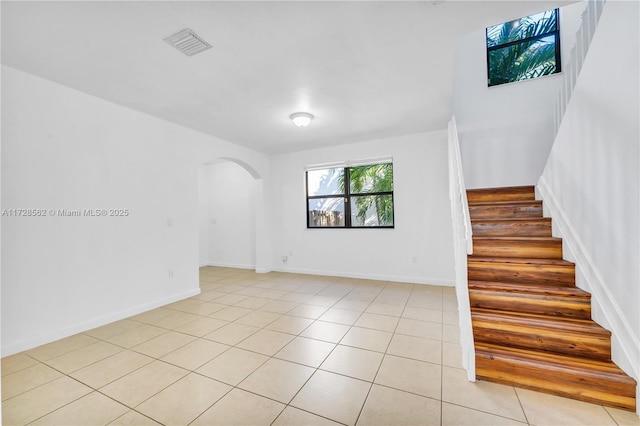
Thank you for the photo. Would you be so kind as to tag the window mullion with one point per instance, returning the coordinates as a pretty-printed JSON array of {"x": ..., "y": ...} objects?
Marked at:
[
  {"x": 306, "y": 190},
  {"x": 520, "y": 41},
  {"x": 558, "y": 50},
  {"x": 347, "y": 198},
  {"x": 365, "y": 194}
]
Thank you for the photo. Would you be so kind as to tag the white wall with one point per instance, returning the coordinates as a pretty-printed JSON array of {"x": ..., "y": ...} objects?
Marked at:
[
  {"x": 505, "y": 131},
  {"x": 420, "y": 247},
  {"x": 591, "y": 182},
  {"x": 227, "y": 216},
  {"x": 62, "y": 149}
]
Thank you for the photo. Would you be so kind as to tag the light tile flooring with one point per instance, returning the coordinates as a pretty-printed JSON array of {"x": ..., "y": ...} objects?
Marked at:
[{"x": 277, "y": 349}]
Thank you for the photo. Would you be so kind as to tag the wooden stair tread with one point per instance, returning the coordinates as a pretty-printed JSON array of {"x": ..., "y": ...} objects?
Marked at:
[
  {"x": 517, "y": 238},
  {"x": 512, "y": 192},
  {"x": 520, "y": 247},
  {"x": 541, "y": 271},
  {"x": 599, "y": 382},
  {"x": 506, "y": 203},
  {"x": 514, "y": 226},
  {"x": 528, "y": 261},
  {"x": 528, "y": 320},
  {"x": 503, "y": 189},
  {"x": 546, "y": 299},
  {"x": 512, "y": 220},
  {"x": 579, "y": 365},
  {"x": 506, "y": 209},
  {"x": 558, "y": 337},
  {"x": 550, "y": 303},
  {"x": 548, "y": 290}
]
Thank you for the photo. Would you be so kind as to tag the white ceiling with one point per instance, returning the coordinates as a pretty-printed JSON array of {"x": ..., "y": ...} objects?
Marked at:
[{"x": 366, "y": 70}]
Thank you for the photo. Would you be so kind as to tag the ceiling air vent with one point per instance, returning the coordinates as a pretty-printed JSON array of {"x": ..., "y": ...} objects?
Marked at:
[{"x": 188, "y": 42}]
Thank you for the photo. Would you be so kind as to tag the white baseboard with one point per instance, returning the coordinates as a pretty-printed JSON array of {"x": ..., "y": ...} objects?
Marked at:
[
  {"x": 377, "y": 277},
  {"x": 33, "y": 342},
  {"x": 625, "y": 344},
  {"x": 237, "y": 266},
  {"x": 394, "y": 278},
  {"x": 229, "y": 265}
]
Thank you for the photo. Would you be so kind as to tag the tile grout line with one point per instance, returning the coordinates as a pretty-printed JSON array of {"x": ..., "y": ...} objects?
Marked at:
[
  {"x": 524, "y": 412},
  {"x": 325, "y": 358},
  {"x": 267, "y": 360},
  {"x": 383, "y": 358},
  {"x": 263, "y": 327}
]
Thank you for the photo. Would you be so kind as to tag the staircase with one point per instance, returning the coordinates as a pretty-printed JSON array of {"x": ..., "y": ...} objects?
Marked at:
[{"x": 531, "y": 325}]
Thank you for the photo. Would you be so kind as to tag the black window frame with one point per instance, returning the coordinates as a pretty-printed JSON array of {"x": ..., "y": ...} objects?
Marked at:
[
  {"x": 558, "y": 51},
  {"x": 346, "y": 196}
]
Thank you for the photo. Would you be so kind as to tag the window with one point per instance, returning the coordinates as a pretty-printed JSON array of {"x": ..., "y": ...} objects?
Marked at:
[
  {"x": 350, "y": 197},
  {"x": 526, "y": 48}
]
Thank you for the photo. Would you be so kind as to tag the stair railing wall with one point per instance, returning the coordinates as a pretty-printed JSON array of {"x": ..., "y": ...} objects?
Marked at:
[
  {"x": 463, "y": 246},
  {"x": 573, "y": 65}
]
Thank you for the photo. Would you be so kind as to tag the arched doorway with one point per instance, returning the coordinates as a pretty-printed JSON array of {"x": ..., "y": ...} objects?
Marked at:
[{"x": 231, "y": 215}]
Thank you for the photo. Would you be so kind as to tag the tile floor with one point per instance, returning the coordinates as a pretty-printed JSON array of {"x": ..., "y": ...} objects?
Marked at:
[{"x": 277, "y": 349}]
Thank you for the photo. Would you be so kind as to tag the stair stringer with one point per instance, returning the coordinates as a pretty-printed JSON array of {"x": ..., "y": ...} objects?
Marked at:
[{"x": 625, "y": 345}]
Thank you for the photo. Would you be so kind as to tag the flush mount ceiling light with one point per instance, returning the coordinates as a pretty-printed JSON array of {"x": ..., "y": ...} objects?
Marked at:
[
  {"x": 188, "y": 42},
  {"x": 301, "y": 119}
]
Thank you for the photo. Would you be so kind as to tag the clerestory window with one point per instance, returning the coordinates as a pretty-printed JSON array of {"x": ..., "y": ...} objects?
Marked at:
[{"x": 522, "y": 49}]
